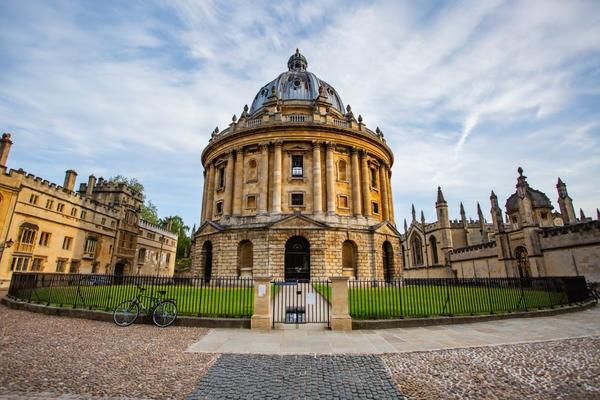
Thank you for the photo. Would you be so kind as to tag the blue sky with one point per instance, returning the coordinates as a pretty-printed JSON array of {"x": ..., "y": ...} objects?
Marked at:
[{"x": 465, "y": 92}]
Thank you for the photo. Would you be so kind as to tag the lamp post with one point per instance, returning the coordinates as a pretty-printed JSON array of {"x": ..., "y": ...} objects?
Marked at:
[{"x": 7, "y": 244}]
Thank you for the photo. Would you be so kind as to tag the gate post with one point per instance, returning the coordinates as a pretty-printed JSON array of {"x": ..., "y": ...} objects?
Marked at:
[
  {"x": 340, "y": 316},
  {"x": 263, "y": 314}
]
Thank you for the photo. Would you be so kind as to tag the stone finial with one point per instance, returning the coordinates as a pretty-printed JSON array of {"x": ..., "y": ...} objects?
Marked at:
[
  {"x": 560, "y": 182},
  {"x": 462, "y": 210},
  {"x": 440, "y": 195},
  {"x": 520, "y": 171},
  {"x": 360, "y": 119},
  {"x": 348, "y": 108},
  {"x": 245, "y": 107},
  {"x": 414, "y": 213},
  {"x": 216, "y": 130},
  {"x": 378, "y": 131},
  {"x": 493, "y": 195},
  {"x": 598, "y": 214},
  {"x": 6, "y": 137},
  {"x": 582, "y": 215},
  {"x": 479, "y": 213},
  {"x": 234, "y": 118},
  {"x": 422, "y": 218},
  {"x": 405, "y": 226}
]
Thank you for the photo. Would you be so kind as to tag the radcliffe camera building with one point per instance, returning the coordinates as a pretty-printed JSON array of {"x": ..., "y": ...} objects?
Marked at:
[
  {"x": 46, "y": 227},
  {"x": 297, "y": 187}
]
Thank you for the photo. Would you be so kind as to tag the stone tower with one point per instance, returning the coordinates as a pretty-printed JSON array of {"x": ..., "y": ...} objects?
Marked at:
[
  {"x": 565, "y": 203},
  {"x": 441, "y": 208}
]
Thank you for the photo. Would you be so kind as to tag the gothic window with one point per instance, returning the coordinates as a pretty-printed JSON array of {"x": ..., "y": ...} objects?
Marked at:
[
  {"x": 90, "y": 245},
  {"x": 252, "y": 171},
  {"x": 434, "y": 251},
  {"x": 349, "y": 258},
  {"x": 297, "y": 166},
  {"x": 342, "y": 175},
  {"x": 141, "y": 255},
  {"x": 417, "y": 250}
]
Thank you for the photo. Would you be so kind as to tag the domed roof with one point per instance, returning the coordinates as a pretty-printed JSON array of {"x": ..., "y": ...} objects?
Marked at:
[
  {"x": 538, "y": 199},
  {"x": 297, "y": 84}
]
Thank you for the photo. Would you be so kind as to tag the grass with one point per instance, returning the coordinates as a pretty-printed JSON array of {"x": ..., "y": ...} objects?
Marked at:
[
  {"x": 191, "y": 300},
  {"x": 430, "y": 300}
]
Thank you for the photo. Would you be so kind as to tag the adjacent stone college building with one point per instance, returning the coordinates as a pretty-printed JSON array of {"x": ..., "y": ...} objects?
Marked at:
[
  {"x": 297, "y": 188},
  {"x": 51, "y": 228}
]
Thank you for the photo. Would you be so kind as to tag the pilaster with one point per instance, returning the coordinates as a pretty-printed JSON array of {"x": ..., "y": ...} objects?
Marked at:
[
  {"x": 263, "y": 179},
  {"x": 317, "y": 184},
  {"x": 366, "y": 191},
  {"x": 356, "y": 200},
  {"x": 330, "y": 179},
  {"x": 277, "y": 178}
]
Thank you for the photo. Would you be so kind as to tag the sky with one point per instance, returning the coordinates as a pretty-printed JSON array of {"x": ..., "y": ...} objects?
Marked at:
[{"x": 465, "y": 92}]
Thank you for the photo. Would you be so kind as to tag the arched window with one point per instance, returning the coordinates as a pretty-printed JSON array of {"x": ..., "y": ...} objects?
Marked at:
[
  {"x": 523, "y": 262},
  {"x": 434, "y": 252},
  {"x": 245, "y": 258},
  {"x": 206, "y": 257},
  {"x": 141, "y": 255},
  {"x": 417, "y": 251},
  {"x": 349, "y": 259},
  {"x": 342, "y": 167},
  {"x": 252, "y": 171}
]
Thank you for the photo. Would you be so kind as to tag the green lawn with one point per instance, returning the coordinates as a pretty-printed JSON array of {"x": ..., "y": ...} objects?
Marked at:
[
  {"x": 190, "y": 300},
  {"x": 430, "y": 300}
]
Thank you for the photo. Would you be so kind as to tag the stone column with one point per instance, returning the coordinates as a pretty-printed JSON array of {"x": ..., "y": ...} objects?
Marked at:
[
  {"x": 390, "y": 194},
  {"x": 227, "y": 203},
  {"x": 366, "y": 190},
  {"x": 210, "y": 192},
  {"x": 356, "y": 200},
  {"x": 383, "y": 192},
  {"x": 340, "y": 315},
  {"x": 204, "y": 191},
  {"x": 263, "y": 179},
  {"x": 330, "y": 179},
  {"x": 238, "y": 182},
  {"x": 317, "y": 184},
  {"x": 277, "y": 178},
  {"x": 262, "y": 317}
]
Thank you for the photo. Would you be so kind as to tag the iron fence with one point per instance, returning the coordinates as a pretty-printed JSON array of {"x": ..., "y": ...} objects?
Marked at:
[
  {"x": 301, "y": 302},
  {"x": 409, "y": 298},
  {"x": 216, "y": 297}
]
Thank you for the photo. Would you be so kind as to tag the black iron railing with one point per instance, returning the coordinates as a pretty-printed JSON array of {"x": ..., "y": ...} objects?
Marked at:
[
  {"x": 216, "y": 297},
  {"x": 409, "y": 298}
]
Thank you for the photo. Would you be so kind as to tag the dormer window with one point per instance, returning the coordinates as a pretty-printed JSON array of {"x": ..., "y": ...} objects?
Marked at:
[{"x": 297, "y": 166}]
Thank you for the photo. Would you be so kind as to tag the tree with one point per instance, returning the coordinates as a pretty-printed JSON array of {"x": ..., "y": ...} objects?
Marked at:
[
  {"x": 149, "y": 213},
  {"x": 184, "y": 242},
  {"x": 132, "y": 183}
]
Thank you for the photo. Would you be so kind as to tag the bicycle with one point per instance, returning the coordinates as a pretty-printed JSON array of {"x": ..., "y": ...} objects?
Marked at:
[{"x": 164, "y": 311}]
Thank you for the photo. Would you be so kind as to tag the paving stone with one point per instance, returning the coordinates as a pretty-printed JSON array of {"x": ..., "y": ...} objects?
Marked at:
[{"x": 242, "y": 376}]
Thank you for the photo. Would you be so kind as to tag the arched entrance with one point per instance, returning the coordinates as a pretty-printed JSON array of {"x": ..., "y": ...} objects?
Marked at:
[
  {"x": 207, "y": 253},
  {"x": 388, "y": 261},
  {"x": 297, "y": 259},
  {"x": 119, "y": 272}
]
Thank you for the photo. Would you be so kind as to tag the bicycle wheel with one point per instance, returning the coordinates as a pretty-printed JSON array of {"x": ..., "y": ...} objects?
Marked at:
[
  {"x": 126, "y": 313},
  {"x": 165, "y": 313}
]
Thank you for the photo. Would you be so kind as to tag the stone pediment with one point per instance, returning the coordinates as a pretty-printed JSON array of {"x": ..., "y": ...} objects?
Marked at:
[
  {"x": 386, "y": 228},
  {"x": 298, "y": 222},
  {"x": 209, "y": 227}
]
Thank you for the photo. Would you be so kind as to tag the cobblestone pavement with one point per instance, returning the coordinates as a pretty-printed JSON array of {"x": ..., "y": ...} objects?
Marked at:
[
  {"x": 562, "y": 369},
  {"x": 237, "y": 376},
  {"x": 50, "y": 356}
]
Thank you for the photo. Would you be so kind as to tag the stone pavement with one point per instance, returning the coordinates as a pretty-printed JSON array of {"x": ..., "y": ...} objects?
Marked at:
[
  {"x": 236, "y": 376},
  {"x": 401, "y": 340}
]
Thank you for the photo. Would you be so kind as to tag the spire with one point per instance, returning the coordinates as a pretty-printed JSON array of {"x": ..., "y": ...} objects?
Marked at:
[
  {"x": 414, "y": 213},
  {"x": 422, "y": 217},
  {"x": 581, "y": 215},
  {"x": 493, "y": 195},
  {"x": 462, "y": 212},
  {"x": 440, "y": 196},
  {"x": 479, "y": 213},
  {"x": 405, "y": 226},
  {"x": 598, "y": 214},
  {"x": 522, "y": 179}
]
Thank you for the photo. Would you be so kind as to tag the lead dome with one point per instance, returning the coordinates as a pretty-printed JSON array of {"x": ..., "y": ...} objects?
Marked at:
[{"x": 296, "y": 84}]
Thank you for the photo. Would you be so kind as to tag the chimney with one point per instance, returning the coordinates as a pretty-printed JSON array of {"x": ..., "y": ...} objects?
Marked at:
[
  {"x": 90, "y": 185},
  {"x": 70, "y": 177},
  {"x": 5, "y": 144}
]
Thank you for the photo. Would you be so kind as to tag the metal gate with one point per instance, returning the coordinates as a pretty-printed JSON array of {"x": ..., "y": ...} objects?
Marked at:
[{"x": 301, "y": 302}]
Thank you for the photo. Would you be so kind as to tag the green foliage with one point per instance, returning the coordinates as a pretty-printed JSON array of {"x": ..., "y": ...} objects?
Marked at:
[
  {"x": 149, "y": 213},
  {"x": 184, "y": 242},
  {"x": 132, "y": 183}
]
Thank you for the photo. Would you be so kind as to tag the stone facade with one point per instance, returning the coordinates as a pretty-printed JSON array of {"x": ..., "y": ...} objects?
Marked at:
[
  {"x": 534, "y": 240},
  {"x": 51, "y": 228},
  {"x": 297, "y": 167}
]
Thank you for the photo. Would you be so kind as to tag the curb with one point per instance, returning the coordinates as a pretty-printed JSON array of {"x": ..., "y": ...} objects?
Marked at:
[{"x": 97, "y": 315}]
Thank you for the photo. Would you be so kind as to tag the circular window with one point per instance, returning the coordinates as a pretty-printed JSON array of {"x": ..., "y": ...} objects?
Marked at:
[
  {"x": 264, "y": 92},
  {"x": 297, "y": 82},
  {"x": 330, "y": 91}
]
